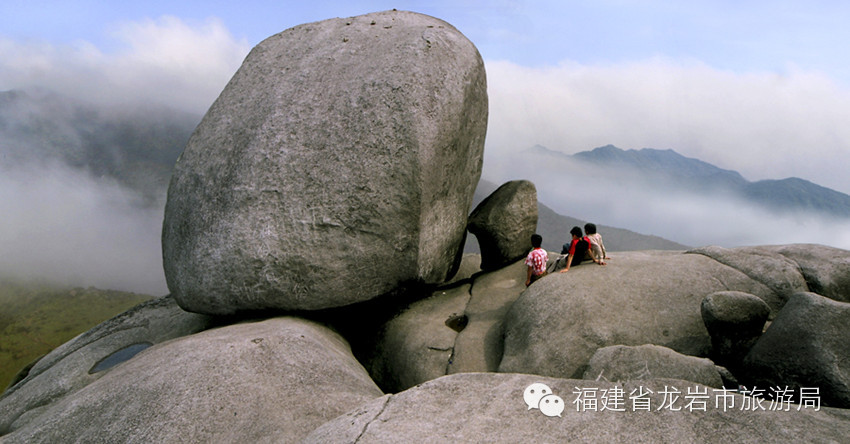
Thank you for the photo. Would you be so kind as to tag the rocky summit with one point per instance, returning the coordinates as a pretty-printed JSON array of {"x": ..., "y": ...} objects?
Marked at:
[
  {"x": 338, "y": 163},
  {"x": 312, "y": 231}
]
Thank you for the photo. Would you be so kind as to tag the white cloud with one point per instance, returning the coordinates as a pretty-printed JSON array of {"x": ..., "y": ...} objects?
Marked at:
[
  {"x": 763, "y": 125},
  {"x": 166, "y": 61},
  {"x": 65, "y": 226},
  {"x": 617, "y": 198}
]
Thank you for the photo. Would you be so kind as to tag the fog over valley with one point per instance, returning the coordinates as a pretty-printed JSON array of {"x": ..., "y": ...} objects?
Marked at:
[
  {"x": 89, "y": 133},
  {"x": 691, "y": 215}
]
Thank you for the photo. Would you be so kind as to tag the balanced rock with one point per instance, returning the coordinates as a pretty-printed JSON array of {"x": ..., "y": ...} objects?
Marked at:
[
  {"x": 270, "y": 381},
  {"x": 91, "y": 355},
  {"x": 647, "y": 297},
  {"x": 491, "y": 407},
  {"x": 629, "y": 363},
  {"x": 806, "y": 346},
  {"x": 734, "y": 321},
  {"x": 339, "y": 163},
  {"x": 504, "y": 222}
]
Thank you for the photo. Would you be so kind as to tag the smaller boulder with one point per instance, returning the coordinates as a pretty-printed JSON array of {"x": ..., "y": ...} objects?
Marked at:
[
  {"x": 504, "y": 222},
  {"x": 734, "y": 321},
  {"x": 805, "y": 347},
  {"x": 627, "y": 363}
]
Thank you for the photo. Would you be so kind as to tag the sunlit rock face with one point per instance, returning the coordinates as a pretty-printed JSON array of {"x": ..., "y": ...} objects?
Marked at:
[
  {"x": 806, "y": 346},
  {"x": 504, "y": 222},
  {"x": 338, "y": 163},
  {"x": 269, "y": 381},
  {"x": 494, "y": 408}
]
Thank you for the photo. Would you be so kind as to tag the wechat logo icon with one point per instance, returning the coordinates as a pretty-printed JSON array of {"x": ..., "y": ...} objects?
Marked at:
[{"x": 539, "y": 396}]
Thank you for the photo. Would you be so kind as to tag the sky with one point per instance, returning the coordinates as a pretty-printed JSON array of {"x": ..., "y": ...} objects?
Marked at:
[{"x": 759, "y": 87}]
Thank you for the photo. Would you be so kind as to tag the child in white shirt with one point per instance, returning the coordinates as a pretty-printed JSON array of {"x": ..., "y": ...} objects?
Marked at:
[{"x": 595, "y": 242}]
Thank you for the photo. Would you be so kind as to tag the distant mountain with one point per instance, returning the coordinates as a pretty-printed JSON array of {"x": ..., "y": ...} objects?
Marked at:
[
  {"x": 667, "y": 168},
  {"x": 555, "y": 230},
  {"x": 666, "y": 164},
  {"x": 135, "y": 146}
]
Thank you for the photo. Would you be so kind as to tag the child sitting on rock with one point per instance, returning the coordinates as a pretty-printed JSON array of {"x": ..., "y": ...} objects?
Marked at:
[
  {"x": 596, "y": 244},
  {"x": 578, "y": 250},
  {"x": 536, "y": 260}
]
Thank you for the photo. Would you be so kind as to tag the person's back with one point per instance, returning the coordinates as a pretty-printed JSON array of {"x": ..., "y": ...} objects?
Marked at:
[
  {"x": 595, "y": 239},
  {"x": 577, "y": 250},
  {"x": 536, "y": 260}
]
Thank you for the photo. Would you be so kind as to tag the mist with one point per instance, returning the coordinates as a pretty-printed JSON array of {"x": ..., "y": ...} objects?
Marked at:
[
  {"x": 75, "y": 225},
  {"x": 163, "y": 62},
  {"x": 84, "y": 210},
  {"x": 64, "y": 226},
  {"x": 762, "y": 124},
  {"x": 618, "y": 198}
]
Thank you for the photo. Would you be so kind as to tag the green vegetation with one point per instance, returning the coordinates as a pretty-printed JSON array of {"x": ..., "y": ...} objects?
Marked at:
[{"x": 37, "y": 317}]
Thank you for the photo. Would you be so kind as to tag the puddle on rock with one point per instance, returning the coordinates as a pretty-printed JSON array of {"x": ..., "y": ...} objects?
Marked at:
[
  {"x": 457, "y": 322},
  {"x": 119, "y": 356}
]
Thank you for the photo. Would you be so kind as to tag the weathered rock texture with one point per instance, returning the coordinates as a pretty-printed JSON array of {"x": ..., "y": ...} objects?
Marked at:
[
  {"x": 788, "y": 269},
  {"x": 627, "y": 363},
  {"x": 338, "y": 163},
  {"x": 734, "y": 320},
  {"x": 807, "y": 345},
  {"x": 504, "y": 222},
  {"x": 488, "y": 407},
  {"x": 648, "y": 297},
  {"x": 456, "y": 329},
  {"x": 73, "y": 365},
  {"x": 825, "y": 269},
  {"x": 271, "y": 381}
]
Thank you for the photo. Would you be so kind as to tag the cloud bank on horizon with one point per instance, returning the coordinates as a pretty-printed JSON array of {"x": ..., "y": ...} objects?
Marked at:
[{"x": 761, "y": 88}]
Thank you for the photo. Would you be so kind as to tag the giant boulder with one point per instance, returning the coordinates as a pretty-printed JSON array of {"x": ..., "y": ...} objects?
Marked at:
[
  {"x": 647, "y": 297},
  {"x": 489, "y": 407},
  {"x": 339, "y": 162},
  {"x": 269, "y": 381}
]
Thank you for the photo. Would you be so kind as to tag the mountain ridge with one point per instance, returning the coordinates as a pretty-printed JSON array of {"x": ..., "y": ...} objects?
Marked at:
[{"x": 667, "y": 168}]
